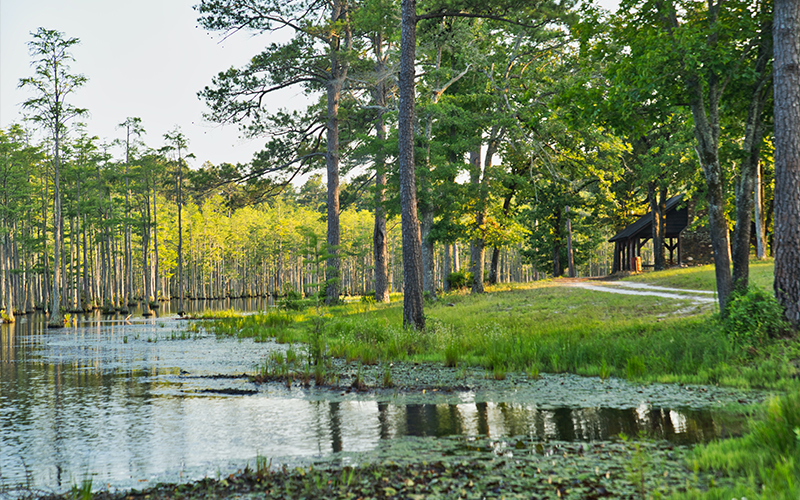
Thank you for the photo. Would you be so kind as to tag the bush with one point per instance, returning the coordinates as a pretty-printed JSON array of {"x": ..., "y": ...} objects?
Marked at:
[
  {"x": 293, "y": 301},
  {"x": 754, "y": 317},
  {"x": 459, "y": 280}
]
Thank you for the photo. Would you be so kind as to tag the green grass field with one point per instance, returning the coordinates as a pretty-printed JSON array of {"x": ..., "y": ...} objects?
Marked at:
[{"x": 702, "y": 277}]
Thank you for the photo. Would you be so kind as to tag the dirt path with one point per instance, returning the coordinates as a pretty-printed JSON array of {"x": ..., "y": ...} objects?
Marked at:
[{"x": 631, "y": 288}]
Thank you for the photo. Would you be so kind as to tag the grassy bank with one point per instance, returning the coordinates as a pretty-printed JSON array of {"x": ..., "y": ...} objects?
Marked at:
[
  {"x": 765, "y": 463},
  {"x": 547, "y": 327}
]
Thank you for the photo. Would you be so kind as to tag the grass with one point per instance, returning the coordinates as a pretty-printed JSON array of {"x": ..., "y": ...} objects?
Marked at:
[
  {"x": 702, "y": 277},
  {"x": 765, "y": 462},
  {"x": 546, "y": 327}
]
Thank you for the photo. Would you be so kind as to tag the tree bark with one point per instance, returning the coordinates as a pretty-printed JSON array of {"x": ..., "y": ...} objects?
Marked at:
[
  {"x": 413, "y": 314},
  {"x": 56, "y": 320},
  {"x": 379, "y": 242},
  {"x": 761, "y": 244},
  {"x": 706, "y": 131},
  {"x": 570, "y": 256},
  {"x": 179, "y": 196},
  {"x": 704, "y": 94},
  {"x": 493, "y": 272},
  {"x": 339, "y": 67},
  {"x": 753, "y": 135},
  {"x": 478, "y": 243},
  {"x": 145, "y": 249},
  {"x": 658, "y": 209},
  {"x": 786, "y": 37}
]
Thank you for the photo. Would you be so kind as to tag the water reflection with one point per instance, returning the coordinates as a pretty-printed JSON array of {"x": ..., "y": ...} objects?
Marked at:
[{"x": 112, "y": 399}]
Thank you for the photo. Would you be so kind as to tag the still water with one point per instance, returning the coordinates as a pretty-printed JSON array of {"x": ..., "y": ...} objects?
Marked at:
[{"x": 129, "y": 402}]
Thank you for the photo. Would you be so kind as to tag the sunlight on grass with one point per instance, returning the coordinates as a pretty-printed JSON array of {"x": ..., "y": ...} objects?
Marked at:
[
  {"x": 548, "y": 327},
  {"x": 702, "y": 277}
]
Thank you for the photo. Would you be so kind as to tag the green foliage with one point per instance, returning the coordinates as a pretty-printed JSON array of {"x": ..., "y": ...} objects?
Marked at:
[
  {"x": 754, "y": 317},
  {"x": 82, "y": 491},
  {"x": 293, "y": 300},
  {"x": 459, "y": 280}
]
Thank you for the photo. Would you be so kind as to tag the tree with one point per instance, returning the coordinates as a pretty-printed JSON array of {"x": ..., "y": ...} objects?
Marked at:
[
  {"x": 696, "y": 55},
  {"x": 133, "y": 131},
  {"x": 530, "y": 15},
  {"x": 53, "y": 83},
  {"x": 16, "y": 159},
  {"x": 376, "y": 18},
  {"x": 317, "y": 57},
  {"x": 786, "y": 35},
  {"x": 176, "y": 143},
  {"x": 413, "y": 314}
]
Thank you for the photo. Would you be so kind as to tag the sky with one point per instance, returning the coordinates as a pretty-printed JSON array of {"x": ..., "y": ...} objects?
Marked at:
[{"x": 142, "y": 58}]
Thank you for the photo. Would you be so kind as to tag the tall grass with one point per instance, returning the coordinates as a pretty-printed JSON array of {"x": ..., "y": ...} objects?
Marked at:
[
  {"x": 542, "y": 327},
  {"x": 766, "y": 461}
]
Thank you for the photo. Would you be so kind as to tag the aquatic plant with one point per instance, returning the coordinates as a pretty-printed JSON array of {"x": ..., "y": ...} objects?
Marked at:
[
  {"x": 82, "y": 491},
  {"x": 532, "y": 371},
  {"x": 387, "y": 376},
  {"x": 605, "y": 372}
]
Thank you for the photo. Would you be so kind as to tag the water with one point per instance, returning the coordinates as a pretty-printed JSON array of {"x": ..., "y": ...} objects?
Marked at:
[{"x": 130, "y": 403}]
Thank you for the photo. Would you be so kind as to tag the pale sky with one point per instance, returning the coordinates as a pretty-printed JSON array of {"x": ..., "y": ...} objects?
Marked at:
[{"x": 143, "y": 58}]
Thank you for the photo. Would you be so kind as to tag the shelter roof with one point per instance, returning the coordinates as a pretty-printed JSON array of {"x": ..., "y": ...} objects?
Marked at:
[{"x": 677, "y": 220}]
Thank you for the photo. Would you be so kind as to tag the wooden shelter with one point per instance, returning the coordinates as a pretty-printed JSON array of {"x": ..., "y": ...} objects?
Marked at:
[{"x": 628, "y": 243}]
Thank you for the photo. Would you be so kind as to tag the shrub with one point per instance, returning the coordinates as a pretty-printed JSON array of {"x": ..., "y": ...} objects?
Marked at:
[
  {"x": 754, "y": 317},
  {"x": 293, "y": 301},
  {"x": 459, "y": 280}
]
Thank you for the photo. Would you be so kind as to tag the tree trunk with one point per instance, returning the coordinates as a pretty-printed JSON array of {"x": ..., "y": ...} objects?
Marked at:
[
  {"x": 761, "y": 247},
  {"x": 339, "y": 67},
  {"x": 658, "y": 209},
  {"x": 477, "y": 245},
  {"x": 570, "y": 257},
  {"x": 88, "y": 298},
  {"x": 145, "y": 266},
  {"x": 786, "y": 36},
  {"x": 557, "y": 269},
  {"x": 448, "y": 268},
  {"x": 7, "y": 278},
  {"x": 379, "y": 246},
  {"x": 706, "y": 131},
  {"x": 425, "y": 227},
  {"x": 156, "y": 293},
  {"x": 179, "y": 196},
  {"x": 56, "y": 320},
  {"x": 413, "y": 314},
  {"x": 745, "y": 188},
  {"x": 493, "y": 272}
]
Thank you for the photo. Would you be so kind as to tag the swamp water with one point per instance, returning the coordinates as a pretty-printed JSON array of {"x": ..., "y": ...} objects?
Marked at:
[{"x": 131, "y": 403}]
